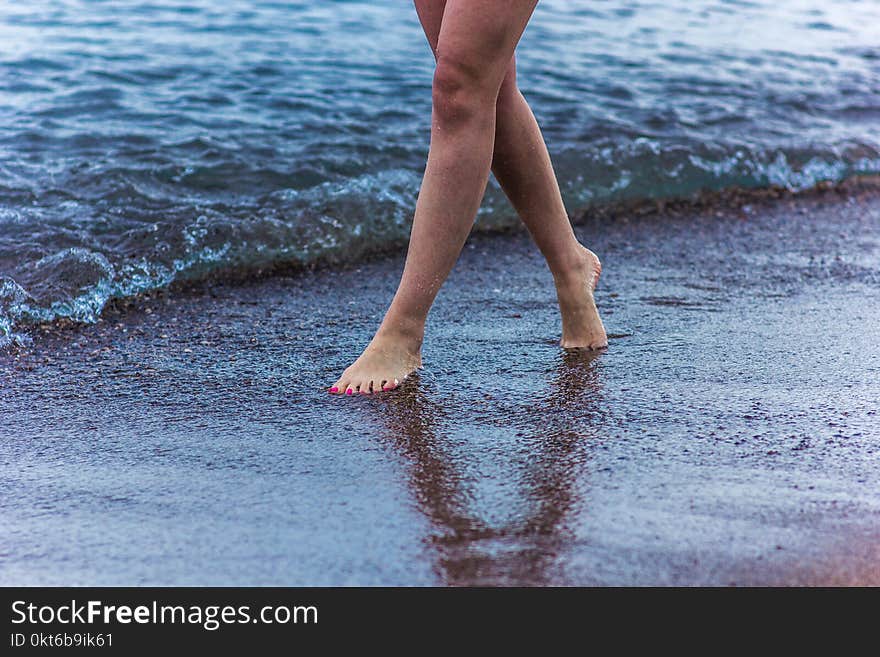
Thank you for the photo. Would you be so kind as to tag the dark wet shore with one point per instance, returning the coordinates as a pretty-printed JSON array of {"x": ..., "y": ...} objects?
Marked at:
[{"x": 729, "y": 435}]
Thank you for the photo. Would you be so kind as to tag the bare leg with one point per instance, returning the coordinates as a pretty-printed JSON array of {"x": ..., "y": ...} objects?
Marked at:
[
  {"x": 522, "y": 166},
  {"x": 475, "y": 45}
]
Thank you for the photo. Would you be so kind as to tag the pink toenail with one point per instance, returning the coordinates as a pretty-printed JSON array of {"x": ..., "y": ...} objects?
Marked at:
[
  {"x": 348, "y": 392},
  {"x": 334, "y": 389}
]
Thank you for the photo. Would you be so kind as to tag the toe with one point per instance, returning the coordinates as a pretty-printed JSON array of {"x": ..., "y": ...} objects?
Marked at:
[{"x": 390, "y": 384}]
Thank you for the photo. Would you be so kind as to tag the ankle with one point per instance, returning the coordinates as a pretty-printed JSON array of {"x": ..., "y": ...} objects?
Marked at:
[
  {"x": 571, "y": 268},
  {"x": 407, "y": 331}
]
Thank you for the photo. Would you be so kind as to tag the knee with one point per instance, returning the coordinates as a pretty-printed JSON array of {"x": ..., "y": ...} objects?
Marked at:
[{"x": 460, "y": 92}]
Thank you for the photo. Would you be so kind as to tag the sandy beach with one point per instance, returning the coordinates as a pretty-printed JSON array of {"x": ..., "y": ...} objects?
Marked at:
[{"x": 729, "y": 435}]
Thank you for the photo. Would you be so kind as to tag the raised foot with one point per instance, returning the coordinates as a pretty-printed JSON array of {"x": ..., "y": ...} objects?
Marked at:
[
  {"x": 384, "y": 365},
  {"x": 581, "y": 325}
]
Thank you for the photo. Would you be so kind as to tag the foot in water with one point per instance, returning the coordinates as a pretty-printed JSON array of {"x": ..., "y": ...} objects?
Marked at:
[
  {"x": 385, "y": 363},
  {"x": 581, "y": 325}
]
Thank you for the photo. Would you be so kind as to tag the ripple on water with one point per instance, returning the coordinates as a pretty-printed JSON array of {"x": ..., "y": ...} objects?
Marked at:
[{"x": 167, "y": 141}]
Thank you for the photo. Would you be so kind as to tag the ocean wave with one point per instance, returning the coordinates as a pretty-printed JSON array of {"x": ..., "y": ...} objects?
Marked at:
[
  {"x": 345, "y": 221},
  {"x": 145, "y": 143}
]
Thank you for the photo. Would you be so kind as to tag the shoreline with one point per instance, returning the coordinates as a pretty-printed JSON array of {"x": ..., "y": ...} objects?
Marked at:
[
  {"x": 721, "y": 201},
  {"x": 728, "y": 435}
]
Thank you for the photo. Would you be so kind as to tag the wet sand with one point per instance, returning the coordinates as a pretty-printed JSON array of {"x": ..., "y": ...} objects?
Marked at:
[{"x": 729, "y": 435}]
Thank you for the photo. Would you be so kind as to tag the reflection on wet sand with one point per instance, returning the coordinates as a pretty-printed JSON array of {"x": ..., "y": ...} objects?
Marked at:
[{"x": 554, "y": 430}]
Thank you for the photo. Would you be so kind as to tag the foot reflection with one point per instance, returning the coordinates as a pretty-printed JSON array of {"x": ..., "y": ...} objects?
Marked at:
[{"x": 551, "y": 434}]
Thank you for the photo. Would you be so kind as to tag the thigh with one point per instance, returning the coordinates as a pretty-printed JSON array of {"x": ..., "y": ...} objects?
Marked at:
[
  {"x": 482, "y": 36},
  {"x": 430, "y": 14},
  {"x": 431, "y": 17}
]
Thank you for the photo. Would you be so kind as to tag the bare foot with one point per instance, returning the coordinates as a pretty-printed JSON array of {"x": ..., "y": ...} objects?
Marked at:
[
  {"x": 385, "y": 363},
  {"x": 581, "y": 324}
]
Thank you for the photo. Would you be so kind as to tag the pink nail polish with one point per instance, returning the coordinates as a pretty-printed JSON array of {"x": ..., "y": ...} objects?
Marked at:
[
  {"x": 334, "y": 389},
  {"x": 348, "y": 392}
]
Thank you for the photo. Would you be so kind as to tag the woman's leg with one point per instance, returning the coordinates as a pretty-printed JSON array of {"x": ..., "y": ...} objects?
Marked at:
[
  {"x": 475, "y": 45},
  {"x": 522, "y": 166}
]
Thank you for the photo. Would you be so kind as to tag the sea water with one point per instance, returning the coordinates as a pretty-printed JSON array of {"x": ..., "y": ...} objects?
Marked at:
[{"x": 145, "y": 142}]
